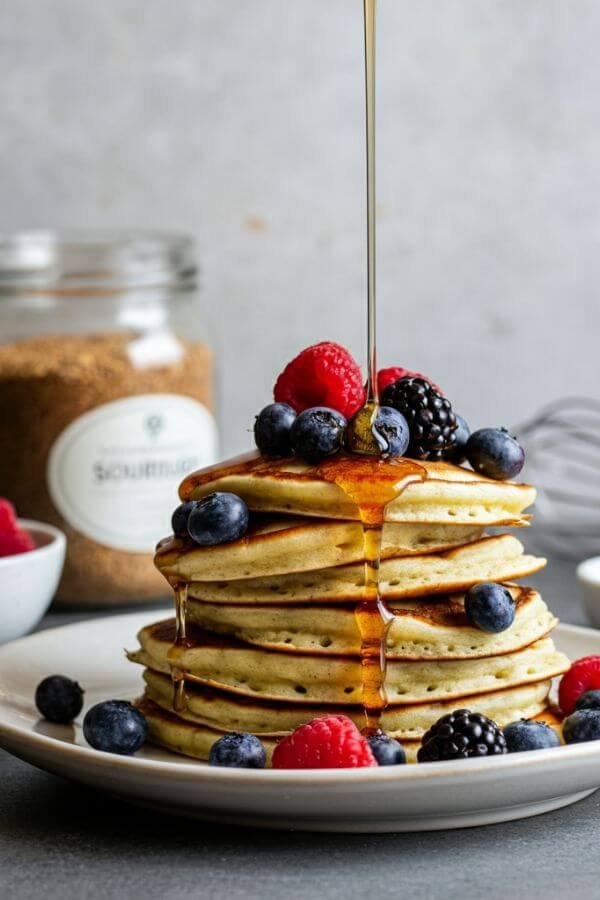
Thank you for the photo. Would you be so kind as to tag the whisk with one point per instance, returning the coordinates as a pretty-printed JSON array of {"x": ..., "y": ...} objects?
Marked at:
[{"x": 563, "y": 461}]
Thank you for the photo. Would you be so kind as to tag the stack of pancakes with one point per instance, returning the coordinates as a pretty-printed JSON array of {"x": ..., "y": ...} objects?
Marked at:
[{"x": 272, "y": 640}]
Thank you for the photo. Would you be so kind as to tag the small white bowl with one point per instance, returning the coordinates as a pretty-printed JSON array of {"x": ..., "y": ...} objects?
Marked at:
[
  {"x": 588, "y": 575},
  {"x": 28, "y": 581}
]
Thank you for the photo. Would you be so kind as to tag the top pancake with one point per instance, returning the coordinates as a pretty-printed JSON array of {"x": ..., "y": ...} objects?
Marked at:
[{"x": 448, "y": 494}]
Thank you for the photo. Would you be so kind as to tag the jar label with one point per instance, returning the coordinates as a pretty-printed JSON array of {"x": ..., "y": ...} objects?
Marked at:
[{"x": 113, "y": 473}]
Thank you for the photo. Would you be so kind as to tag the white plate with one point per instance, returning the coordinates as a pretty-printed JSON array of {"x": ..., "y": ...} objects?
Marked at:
[{"x": 405, "y": 798}]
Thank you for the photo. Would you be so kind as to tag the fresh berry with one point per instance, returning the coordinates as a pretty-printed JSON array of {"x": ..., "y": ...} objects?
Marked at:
[
  {"x": 59, "y": 699},
  {"x": 582, "y": 725},
  {"x": 458, "y": 453},
  {"x": 527, "y": 734},
  {"x": 460, "y": 735},
  {"x": 390, "y": 430},
  {"x": 386, "y": 750},
  {"x": 13, "y": 538},
  {"x": 318, "y": 433},
  {"x": 583, "y": 676},
  {"x": 490, "y": 607},
  {"x": 115, "y": 726},
  {"x": 272, "y": 429},
  {"x": 589, "y": 700},
  {"x": 180, "y": 518},
  {"x": 238, "y": 751},
  {"x": 386, "y": 377},
  {"x": 322, "y": 375},
  {"x": 329, "y": 742},
  {"x": 494, "y": 453},
  {"x": 218, "y": 518},
  {"x": 430, "y": 418}
]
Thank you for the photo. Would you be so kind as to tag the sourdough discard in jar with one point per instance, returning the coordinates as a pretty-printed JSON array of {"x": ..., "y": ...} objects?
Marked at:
[{"x": 105, "y": 398}]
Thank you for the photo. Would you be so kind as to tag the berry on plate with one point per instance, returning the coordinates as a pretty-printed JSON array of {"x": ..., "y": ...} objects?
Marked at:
[
  {"x": 493, "y": 452},
  {"x": 429, "y": 415},
  {"x": 59, "y": 699},
  {"x": 461, "y": 735},
  {"x": 589, "y": 700},
  {"x": 490, "y": 607},
  {"x": 318, "y": 433},
  {"x": 238, "y": 750},
  {"x": 218, "y": 518},
  {"x": 13, "y": 538},
  {"x": 322, "y": 375},
  {"x": 583, "y": 676},
  {"x": 582, "y": 725},
  {"x": 395, "y": 373},
  {"x": 527, "y": 734},
  {"x": 386, "y": 750},
  {"x": 272, "y": 429},
  {"x": 329, "y": 742},
  {"x": 115, "y": 726}
]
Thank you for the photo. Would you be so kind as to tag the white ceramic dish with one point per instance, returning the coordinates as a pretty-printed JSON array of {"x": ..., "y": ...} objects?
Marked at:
[
  {"x": 588, "y": 575},
  {"x": 28, "y": 581},
  {"x": 406, "y": 798}
]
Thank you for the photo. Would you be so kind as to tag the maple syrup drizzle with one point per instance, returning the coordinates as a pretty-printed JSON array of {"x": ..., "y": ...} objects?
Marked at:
[{"x": 177, "y": 674}]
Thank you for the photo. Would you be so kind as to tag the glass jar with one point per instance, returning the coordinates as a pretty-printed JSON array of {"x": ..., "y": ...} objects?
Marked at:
[{"x": 106, "y": 381}]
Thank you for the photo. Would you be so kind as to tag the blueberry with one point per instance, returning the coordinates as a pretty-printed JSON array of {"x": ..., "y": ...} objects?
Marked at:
[
  {"x": 59, "y": 699},
  {"x": 218, "y": 518},
  {"x": 530, "y": 735},
  {"x": 494, "y": 453},
  {"x": 458, "y": 452},
  {"x": 239, "y": 751},
  {"x": 490, "y": 607},
  {"x": 115, "y": 726},
  {"x": 179, "y": 519},
  {"x": 583, "y": 725},
  {"x": 589, "y": 700},
  {"x": 390, "y": 430},
  {"x": 386, "y": 750},
  {"x": 318, "y": 433},
  {"x": 272, "y": 429}
]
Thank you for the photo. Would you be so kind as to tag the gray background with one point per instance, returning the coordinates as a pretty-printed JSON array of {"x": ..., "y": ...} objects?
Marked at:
[{"x": 241, "y": 122}]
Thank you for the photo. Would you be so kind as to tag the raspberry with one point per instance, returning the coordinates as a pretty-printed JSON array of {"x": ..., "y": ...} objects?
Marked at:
[
  {"x": 322, "y": 375},
  {"x": 584, "y": 675},
  {"x": 8, "y": 517},
  {"x": 329, "y": 742},
  {"x": 13, "y": 538},
  {"x": 395, "y": 373}
]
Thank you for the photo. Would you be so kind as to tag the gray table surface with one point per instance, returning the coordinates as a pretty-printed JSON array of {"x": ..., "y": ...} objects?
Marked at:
[{"x": 61, "y": 840}]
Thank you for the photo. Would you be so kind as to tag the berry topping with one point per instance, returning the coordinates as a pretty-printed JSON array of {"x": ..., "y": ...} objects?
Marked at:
[
  {"x": 583, "y": 676},
  {"x": 318, "y": 433},
  {"x": 59, "y": 699},
  {"x": 582, "y": 725},
  {"x": 430, "y": 418},
  {"x": 238, "y": 751},
  {"x": 461, "y": 735},
  {"x": 13, "y": 538},
  {"x": 458, "y": 453},
  {"x": 386, "y": 750},
  {"x": 494, "y": 453},
  {"x": 380, "y": 431},
  {"x": 490, "y": 607},
  {"x": 322, "y": 375},
  {"x": 527, "y": 734},
  {"x": 330, "y": 742},
  {"x": 218, "y": 518},
  {"x": 272, "y": 429},
  {"x": 115, "y": 726},
  {"x": 179, "y": 519},
  {"x": 589, "y": 700},
  {"x": 395, "y": 373}
]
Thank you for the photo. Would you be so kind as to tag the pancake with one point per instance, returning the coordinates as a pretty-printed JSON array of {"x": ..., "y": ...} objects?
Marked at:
[
  {"x": 434, "y": 628},
  {"x": 450, "y": 494},
  {"x": 225, "y": 712},
  {"x": 276, "y": 545},
  {"x": 302, "y": 678},
  {"x": 499, "y": 558},
  {"x": 191, "y": 739}
]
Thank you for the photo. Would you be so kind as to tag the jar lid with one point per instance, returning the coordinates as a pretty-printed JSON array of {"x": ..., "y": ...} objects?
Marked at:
[{"x": 69, "y": 262}]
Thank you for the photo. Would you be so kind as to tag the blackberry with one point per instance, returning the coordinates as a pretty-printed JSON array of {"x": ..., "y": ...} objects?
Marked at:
[
  {"x": 429, "y": 414},
  {"x": 461, "y": 735}
]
